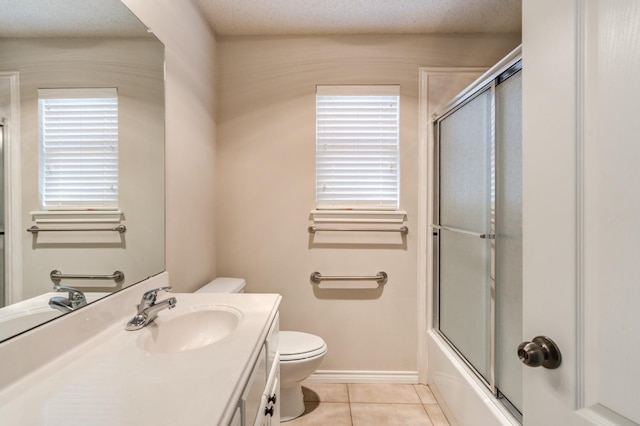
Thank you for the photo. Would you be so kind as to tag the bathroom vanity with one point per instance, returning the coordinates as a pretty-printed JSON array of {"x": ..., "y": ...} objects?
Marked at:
[{"x": 210, "y": 361}]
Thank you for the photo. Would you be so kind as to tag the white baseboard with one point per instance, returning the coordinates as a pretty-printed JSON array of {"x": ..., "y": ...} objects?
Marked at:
[{"x": 363, "y": 376}]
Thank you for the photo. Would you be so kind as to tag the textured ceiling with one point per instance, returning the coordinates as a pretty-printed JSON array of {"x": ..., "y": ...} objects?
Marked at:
[
  {"x": 289, "y": 17},
  {"x": 68, "y": 18}
]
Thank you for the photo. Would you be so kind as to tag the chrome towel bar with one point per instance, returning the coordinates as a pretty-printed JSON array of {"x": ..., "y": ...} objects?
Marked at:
[
  {"x": 120, "y": 228},
  {"x": 462, "y": 231},
  {"x": 403, "y": 229},
  {"x": 380, "y": 277},
  {"x": 56, "y": 276}
]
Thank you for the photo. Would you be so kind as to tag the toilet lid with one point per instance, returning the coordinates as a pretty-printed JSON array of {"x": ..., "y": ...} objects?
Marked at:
[
  {"x": 223, "y": 285},
  {"x": 297, "y": 345}
]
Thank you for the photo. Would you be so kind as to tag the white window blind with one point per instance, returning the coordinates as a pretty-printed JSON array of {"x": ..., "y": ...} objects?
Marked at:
[
  {"x": 78, "y": 148},
  {"x": 357, "y": 147}
]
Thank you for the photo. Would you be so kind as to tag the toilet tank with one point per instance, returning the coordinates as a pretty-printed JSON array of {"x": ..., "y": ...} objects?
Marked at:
[{"x": 223, "y": 285}]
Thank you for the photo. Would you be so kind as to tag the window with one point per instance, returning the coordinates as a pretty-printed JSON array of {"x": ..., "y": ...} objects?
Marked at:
[
  {"x": 357, "y": 147},
  {"x": 78, "y": 148}
]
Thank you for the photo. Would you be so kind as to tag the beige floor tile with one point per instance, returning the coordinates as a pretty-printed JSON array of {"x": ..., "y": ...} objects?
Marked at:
[
  {"x": 323, "y": 414},
  {"x": 383, "y": 393},
  {"x": 425, "y": 394},
  {"x": 325, "y": 392},
  {"x": 436, "y": 415},
  {"x": 389, "y": 415}
]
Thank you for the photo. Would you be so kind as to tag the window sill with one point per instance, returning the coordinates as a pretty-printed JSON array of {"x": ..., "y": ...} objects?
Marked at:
[{"x": 77, "y": 216}]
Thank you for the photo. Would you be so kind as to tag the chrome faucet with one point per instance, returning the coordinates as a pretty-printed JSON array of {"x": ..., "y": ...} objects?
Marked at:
[
  {"x": 148, "y": 308},
  {"x": 74, "y": 300}
]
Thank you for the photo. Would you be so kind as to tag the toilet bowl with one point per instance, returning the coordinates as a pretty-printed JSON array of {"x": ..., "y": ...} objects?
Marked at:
[{"x": 300, "y": 354}]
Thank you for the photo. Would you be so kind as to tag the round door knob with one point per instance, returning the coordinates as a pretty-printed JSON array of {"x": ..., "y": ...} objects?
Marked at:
[{"x": 541, "y": 351}]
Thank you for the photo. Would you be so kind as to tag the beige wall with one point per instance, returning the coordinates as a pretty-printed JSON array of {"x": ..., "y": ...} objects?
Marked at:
[
  {"x": 190, "y": 54},
  {"x": 135, "y": 68},
  {"x": 266, "y": 178}
]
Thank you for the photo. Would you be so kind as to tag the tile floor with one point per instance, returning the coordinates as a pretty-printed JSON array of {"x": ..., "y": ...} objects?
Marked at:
[{"x": 368, "y": 405}]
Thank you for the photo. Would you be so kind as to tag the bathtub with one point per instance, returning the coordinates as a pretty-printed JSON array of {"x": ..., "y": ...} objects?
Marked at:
[
  {"x": 30, "y": 313},
  {"x": 464, "y": 399}
]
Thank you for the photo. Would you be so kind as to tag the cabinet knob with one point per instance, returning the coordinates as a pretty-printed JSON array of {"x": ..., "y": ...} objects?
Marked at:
[
  {"x": 268, "y": 411},
  {"x": 272, "y": 399}
]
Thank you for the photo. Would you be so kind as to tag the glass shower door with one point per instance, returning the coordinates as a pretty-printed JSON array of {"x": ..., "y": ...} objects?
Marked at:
[
  {"x": 465, "y": 188},
  {"x": 478, "y": 220},
  {"x": 509, "y": 238}
]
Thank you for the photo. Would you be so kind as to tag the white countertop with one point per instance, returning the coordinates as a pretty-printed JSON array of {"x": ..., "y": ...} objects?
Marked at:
[{"x": 109, "y": 380}]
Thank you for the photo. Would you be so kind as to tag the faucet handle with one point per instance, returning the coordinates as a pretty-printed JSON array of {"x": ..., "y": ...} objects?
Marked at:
[
  {"x": 150, "y": 296},
  {"x": 73, "y": 292},
  {"x": 76, "y": 297}
]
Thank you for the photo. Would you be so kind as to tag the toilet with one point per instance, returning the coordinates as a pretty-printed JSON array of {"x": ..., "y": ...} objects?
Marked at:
[{"x": 300, "y": 354}]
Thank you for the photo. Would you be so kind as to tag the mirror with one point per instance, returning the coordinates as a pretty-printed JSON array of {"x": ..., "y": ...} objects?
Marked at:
[{"x": 71, "y": 44}]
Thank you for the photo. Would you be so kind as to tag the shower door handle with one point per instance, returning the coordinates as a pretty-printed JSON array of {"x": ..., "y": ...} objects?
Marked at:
[
  {"x": 464, "y": 231},
  {"x": 541, "y": 351}
]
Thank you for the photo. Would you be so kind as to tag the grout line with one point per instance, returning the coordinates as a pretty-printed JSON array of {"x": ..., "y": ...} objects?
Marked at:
[
  {"x": 418, "y": 394},
  {"x": 349, "y": 401},
  {"x": 426, "y": 412},
  {"x": 428, "y": 416},
  {"x": 389, "y": 403}
]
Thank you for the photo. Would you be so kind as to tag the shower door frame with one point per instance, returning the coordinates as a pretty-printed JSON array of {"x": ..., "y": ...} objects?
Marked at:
[
  {"x": 487, "y": 82},
  {"x": 458, "y": 78}
]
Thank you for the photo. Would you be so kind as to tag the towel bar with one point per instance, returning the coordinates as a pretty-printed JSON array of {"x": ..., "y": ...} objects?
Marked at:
[
  {"x": 34, "y": 229},
  {"x": 403, "y": 229}
]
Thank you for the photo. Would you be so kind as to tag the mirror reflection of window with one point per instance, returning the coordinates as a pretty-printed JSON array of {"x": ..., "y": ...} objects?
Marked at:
[
  {"x": 78, "y": 132},
  {"x": 100, "y": 45}
]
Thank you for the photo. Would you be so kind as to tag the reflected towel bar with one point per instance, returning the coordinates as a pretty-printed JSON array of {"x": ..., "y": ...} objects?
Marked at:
[
  {"x": 317, "y": 278},
  {"x": 120, "y": 228},
  {"x": 403, "y": 229},
  {"x": 462, "y": 231},
  {"x": 56, "y": 276}
]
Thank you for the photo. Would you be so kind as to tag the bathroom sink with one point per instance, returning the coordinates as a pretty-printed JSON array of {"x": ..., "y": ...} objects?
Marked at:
[{"x": 189, "y": 329}]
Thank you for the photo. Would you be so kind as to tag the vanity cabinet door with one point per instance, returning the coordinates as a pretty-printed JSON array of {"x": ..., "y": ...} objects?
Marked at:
[
  {"x": 260, "y": 403},
  {"x": 251, "y": 402},
  {"x": 237, "y": 418},
  {"x": 263, "y": 418},
  {"x": 270, "y": 411},
  {"x": 273, "y": 392},
  {"x": 272, "y": 340}
]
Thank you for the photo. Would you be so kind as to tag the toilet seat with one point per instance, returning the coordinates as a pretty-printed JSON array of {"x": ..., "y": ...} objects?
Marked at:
[{"x": 295, "y": 346}]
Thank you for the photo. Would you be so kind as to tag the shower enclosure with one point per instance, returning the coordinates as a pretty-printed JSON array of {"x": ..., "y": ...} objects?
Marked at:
[{"x": 477, "y": 231}]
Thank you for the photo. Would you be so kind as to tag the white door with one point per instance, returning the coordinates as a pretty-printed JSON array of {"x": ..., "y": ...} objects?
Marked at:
[{"x": 581, "y": 208}]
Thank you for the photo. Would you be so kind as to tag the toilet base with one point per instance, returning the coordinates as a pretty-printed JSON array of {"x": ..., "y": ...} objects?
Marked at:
[{"x": 291, "y": 402}]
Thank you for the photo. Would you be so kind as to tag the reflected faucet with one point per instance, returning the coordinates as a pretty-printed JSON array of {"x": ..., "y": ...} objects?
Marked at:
[
  {"x": 74, "y": 300},
  {"x": 148, "y": 308}
]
